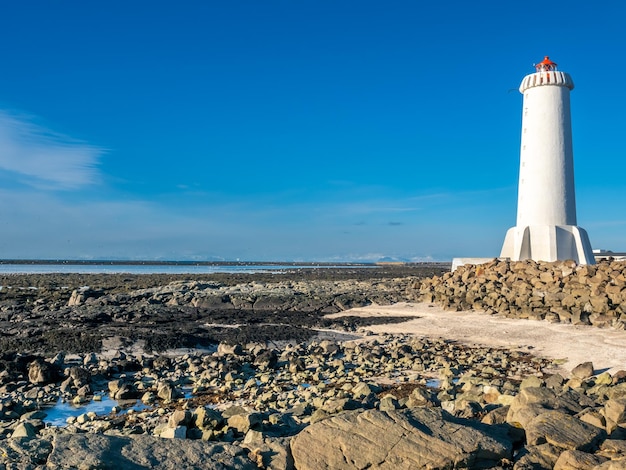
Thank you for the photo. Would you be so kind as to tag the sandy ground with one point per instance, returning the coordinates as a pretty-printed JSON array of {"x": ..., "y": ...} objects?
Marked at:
[{"x": 569, "y": 344}]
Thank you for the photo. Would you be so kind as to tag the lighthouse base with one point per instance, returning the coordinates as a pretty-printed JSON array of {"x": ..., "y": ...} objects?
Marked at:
[{"x": 548, "y": 243}]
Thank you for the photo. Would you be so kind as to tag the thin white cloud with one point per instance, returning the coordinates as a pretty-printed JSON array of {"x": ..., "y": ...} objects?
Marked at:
[{"x": 41, "y": 158}]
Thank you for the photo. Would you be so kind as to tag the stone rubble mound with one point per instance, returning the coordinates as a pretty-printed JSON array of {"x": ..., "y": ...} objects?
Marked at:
[{"x": 560, "y": 291}]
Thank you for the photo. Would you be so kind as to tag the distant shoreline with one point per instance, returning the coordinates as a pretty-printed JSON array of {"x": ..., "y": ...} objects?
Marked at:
[{"x": 62, "y": 262}]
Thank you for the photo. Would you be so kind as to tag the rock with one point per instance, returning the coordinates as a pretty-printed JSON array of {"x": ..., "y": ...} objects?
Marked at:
[
  {"x": 24, "y": 429},
  {"x": 297, "y": 365},
  {"x": 207, "y": 418},
  {"x": 266, "y": 359},
  {"x": 531, "y": 381},
  {"x": 563, "y": 431},
  {"x": 76, "y": 298},
  {"x": 535, "y": 396},
  {"x": 362, "y": 390},
  {"x": 142, "y": 451},
  {"x": 148, "y": 398},
  {"x": 161, "y": 363},
  {"x": 114, "y": 386},
  {"x": 84, "y": 391},
  {"x": 604, "y": 379},
  {"x": 234, "y": 410},
  {"x": 268, "y": 452},
  {"x": 594, "y": 418},
  {"x": 613, "y": 448},
  {"x": 388, "y": 403},
  {"x": 24, "y": 453},
  {"x": 618, "y": 464},
  {"x": 578, "y": 460},
  {"x": 521, "y": 415},
  {"x": 583, "y": 371},
  {"x": 615, "y": 410},
  {"x": 555, "y": 381},
  {"x": 335, "y": 405},
  {"x": 496, "y": 416},
  {"x": 179, "y": 418},
  {"x": 541, "y": 457},
  {"x": 329, "y": 347},
  {"x": 619, "y": 377},
  {"x": 176, "y": 432},
  {"x": 125, "y": 391},
  {"x": 244, "y": 422},
  {"x": 419, "y": 397},
  {"x": 79, "y": 376},
  {"x": 405, "y": 439},
  {"x": 167, "y": 391},
  {"x": 90, "y": 359},
  {"x": 41, "y": 372},
  {"x": 224, "y": 349},
  {"x": 532, "y": 401},
  {"x": 318, "y": 415}
]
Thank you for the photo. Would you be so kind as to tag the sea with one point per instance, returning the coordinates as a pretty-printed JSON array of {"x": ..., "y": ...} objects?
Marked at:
[{"x": 169, "y": 267}]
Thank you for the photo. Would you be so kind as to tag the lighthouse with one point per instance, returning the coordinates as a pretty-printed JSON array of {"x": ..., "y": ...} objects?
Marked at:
[{"x": 546, "y": 228}]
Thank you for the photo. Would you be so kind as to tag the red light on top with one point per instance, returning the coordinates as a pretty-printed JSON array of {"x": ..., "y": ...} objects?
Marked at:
[{"x": 545, "y": 65}]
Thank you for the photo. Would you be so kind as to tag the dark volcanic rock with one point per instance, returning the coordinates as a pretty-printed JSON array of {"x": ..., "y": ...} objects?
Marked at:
[{"x": 75, "y": 313}]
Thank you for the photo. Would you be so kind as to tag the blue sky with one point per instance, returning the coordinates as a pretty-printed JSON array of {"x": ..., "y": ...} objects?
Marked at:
[{"x": 293, "y": 130}]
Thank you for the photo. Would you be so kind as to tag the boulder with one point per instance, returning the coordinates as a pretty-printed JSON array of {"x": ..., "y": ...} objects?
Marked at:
[
  {"x": 244, "y": 422},
  {"x": 41, "y": 372},
  {"x": 179, "y": 418},
  {"x": 618, "y": 464},
  {"x": 174, "y": 432},
  {"x": 583, "y": 371},
  {"x": 266, "y": 359},
  {"x": 207, "y": 418},
  {"x": 563, "y": 431},
  {"x": 405, "y": 439},
  {"x": 419, "y": 397},
  {"x": 80, "y": 376},
  {"x": 521, "y": 415},
  {"x": 362, "y": 390},
  {"x": 541, "y": 457},
  {"x": 24, "y": 429},
  {"x": 578, "y": 460},
  {"x": 224, "y": 349},
  {"x": 76, "y": 298},
  {"x": 24, "y": 452},
  {"x": 269, "y": 452},
  {"x": 615, "y": 410},
  {"x": 122, "y": 390},
  {"x": 167, "y": 391},
  {"x": 142, "y": 451}
]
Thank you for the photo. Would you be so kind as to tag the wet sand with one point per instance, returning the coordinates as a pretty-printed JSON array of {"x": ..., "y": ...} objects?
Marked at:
[{"x": 569, "y": 344}]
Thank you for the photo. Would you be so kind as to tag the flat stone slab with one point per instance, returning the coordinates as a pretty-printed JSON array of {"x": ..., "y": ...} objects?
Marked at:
[
  {"x": 143, "y": 452},
  {"x": 563, "y": 431},
  {"x": 402, "y": 439}
]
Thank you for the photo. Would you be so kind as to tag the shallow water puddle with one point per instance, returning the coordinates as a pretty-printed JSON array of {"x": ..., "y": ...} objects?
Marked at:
[
  {"x": 433, "y": 383},
  {"x": 58, "y": 414}
]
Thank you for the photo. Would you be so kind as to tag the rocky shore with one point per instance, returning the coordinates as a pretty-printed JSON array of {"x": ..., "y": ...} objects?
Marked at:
[
  {"x": 266, "y": 381},
  {"x": 75, "y": 313}
]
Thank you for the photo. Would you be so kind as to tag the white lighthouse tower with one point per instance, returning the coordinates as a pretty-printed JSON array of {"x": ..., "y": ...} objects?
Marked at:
[{"x": 546, "y": 227}]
